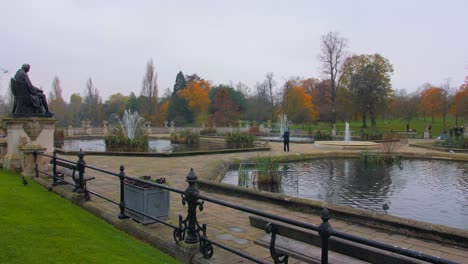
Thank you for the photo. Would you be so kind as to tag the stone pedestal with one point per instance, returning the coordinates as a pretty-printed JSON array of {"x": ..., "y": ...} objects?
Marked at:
[
  {"x": 334, "y": 130},
  {"x": 427, "y": 134},
  {"x": 24, "y": 136},
  {"x": 28, "y": 162}
]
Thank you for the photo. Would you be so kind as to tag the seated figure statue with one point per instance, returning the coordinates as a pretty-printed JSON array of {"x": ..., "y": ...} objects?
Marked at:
[{"x": 28, "y": 100}]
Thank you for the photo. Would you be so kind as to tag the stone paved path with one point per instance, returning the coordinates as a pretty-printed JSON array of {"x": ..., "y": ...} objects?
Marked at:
[{"x": 227, "y": 225}]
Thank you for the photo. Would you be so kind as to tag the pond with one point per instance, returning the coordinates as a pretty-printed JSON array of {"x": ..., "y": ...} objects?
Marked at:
[
  {"x": 426, "y": 190},
  {"x": 155, "y": 145}
]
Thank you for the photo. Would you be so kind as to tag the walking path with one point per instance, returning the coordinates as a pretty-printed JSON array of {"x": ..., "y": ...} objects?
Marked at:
[{"x": 227, "y": 225}]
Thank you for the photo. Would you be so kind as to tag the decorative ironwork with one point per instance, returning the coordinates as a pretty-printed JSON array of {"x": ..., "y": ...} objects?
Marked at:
[
  {"x": 122, "y": 214},
  {"x": 325, "y": 230},
  {"x": 278, "y": 258},
  {"x": 80, "y": 165},
  {"x": 189, "y": 229}
]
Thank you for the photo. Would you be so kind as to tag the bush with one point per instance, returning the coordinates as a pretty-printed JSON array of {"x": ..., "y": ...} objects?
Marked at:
[
  {"x": 254, "y": 130},
  {"x": 185, "y": 137},
  {"x": 367, "y": 135},
  {"x": 320, "y": 136},
  {"x": 239, "y": 140},
  {"x": 379, "y": 159},
  {"x": 208, "y": 131},
  {"x": 454, "y": 142},
  {"x": 119, "y": 142}
]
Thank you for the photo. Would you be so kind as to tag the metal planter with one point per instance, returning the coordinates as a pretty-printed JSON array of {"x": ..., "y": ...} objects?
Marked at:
[{"x": 151, "y": 201}]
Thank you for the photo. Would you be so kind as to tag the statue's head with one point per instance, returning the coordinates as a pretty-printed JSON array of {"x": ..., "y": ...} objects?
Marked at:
[{"x": 25, "y": 67}]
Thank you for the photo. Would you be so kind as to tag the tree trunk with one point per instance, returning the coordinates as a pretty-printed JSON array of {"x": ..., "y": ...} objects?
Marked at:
[
  {"x": 364, "y": 121},
  {"x": 372, "y": 117}
]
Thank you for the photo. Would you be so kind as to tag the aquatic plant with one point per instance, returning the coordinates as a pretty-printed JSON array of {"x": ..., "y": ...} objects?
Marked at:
[
  {"x": 187, "y": 136},
  {"x": 239, "y": 140}
]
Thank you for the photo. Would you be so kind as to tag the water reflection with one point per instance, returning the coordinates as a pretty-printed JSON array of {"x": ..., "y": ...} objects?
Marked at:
[{"x": 432, "y": 191}]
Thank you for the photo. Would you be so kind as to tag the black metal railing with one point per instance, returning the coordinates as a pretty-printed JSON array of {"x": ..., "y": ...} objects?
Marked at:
[{"x": 191, "y": 231}]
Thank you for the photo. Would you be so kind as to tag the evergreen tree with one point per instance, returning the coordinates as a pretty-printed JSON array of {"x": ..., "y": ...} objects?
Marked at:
[{"x": 179, "y": 111}]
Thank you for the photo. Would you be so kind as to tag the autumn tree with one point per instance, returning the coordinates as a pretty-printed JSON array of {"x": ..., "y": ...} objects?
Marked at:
[
  {"x": 432, "y": 102},
  {"x": 92, "y": 104},
  {"x": 367, "y": 77},
  {"x": 332, "y": 55},
  {"x": 320, "y": 92},
  {"x": 149, "y": 92},
  {"x": 56, "y": 102},
  {"x": 300, "y": 108},
  {"x": 226, "y": 110},
  {"x": 196, "y": 95},
  {"x": 406, "y": 106},
  {"x": 460, "y": 103},
  {"x": 238, "y": 97}
]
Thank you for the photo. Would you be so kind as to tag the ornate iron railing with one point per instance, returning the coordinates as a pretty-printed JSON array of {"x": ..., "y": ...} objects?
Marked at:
[{"x": 191, "y": 231}]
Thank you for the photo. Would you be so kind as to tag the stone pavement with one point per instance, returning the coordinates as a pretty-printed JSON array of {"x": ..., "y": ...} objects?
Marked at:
[{"x": 226, "y": 225}]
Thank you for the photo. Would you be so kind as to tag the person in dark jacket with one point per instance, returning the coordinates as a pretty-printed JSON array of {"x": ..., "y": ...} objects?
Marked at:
[{"x": 285, "y": 137}]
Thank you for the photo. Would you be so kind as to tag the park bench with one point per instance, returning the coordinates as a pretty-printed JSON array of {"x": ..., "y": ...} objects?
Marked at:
[
  {"x": 305, "y": 245},
  {"x": 69, "y": 169}
]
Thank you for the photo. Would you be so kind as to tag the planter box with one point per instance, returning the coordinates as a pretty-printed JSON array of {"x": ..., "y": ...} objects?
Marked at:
[{"x": 152, "y": 201}]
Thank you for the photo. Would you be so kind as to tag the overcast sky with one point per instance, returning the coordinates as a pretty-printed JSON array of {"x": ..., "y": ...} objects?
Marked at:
[{"x": 224, "y": 41}]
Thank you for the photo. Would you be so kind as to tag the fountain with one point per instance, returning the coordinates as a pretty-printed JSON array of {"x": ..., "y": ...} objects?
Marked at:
[
  {"x": 347, "y": 144},
  {"x": 283, "y": 123},
  {"x": 347, "y": 134},
  {"x": 129, "y": 123}
]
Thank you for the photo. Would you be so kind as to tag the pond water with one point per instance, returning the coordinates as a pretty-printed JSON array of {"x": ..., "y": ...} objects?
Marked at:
[
  {"x": 425, "y": 190},
  {"x": 155, "y": 145}
]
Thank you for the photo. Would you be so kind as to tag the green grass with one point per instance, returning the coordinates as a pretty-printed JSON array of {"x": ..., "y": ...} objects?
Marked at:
[
  {"x": 385, "y": 125},
  {"x": 37, "y": 226}
]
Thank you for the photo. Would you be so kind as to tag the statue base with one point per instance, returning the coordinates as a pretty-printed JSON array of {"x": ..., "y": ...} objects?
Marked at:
[{"x": 24, "y": 136}]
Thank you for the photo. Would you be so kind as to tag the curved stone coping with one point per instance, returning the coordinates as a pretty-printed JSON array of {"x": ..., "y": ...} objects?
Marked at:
[
  {"x": 373, "y": 219},
  {"x": 166, "y": 155},
  {"x": 436, "y": 148},
  {"x": 352, "y": 145}
]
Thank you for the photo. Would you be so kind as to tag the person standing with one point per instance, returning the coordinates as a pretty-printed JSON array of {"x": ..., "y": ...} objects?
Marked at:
[{"x": 285, "y": 137}]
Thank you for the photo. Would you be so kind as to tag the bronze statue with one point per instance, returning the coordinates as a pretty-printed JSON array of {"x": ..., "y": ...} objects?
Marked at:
[{"x": 28, "y": 100}]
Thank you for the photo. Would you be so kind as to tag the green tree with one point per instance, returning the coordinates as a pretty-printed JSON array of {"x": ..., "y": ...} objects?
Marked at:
[
  {"x": 179, "y": 111},
  {"x": 369, "y": 83},
  {"x": 132, "y": 103},
  {"x": 73, "y": 113},
  {"x": 116, "y": 104}
]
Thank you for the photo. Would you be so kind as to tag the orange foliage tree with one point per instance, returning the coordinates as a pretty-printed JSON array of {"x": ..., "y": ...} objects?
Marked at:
[
  {"x": 460, "y": 103},
  {"x": 432, "y": 101},
  {"x": 196, "y": 95},
  {"x": 163, "y": 109},
  {"x": 300, "y": 108},
  {"x": 226, "y": 111}
]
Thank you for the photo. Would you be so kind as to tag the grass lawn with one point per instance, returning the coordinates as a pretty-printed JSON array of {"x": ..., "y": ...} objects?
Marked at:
[
  {"x": 385, "y": 125},
  {"x": 37, "y": 226}
]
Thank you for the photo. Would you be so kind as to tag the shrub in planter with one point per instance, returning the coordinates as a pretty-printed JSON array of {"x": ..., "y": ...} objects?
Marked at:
[
  {"x": 185, "y": 137},
  {"x": 146, "y": 200},
  {"x": 239, "y": 140}
]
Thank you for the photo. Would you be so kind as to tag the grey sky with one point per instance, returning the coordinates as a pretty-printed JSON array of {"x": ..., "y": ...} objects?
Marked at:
[{"x": 223, "y": 41}]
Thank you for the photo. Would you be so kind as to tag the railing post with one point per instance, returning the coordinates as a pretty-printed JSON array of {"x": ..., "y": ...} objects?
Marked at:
[
  {"x": 36, "y": 170},
  {"x": 324, "y": 231},
  {"x": 80, "y": 164},
  {"x": 54, "y": 168},
  {"x": 122, "y": 193},
  {"x": 191, "y": 196}
]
